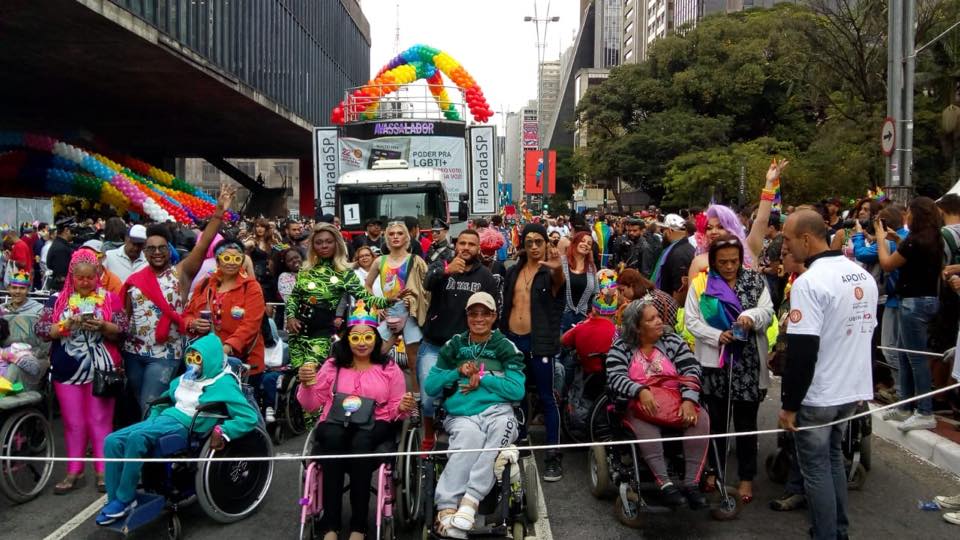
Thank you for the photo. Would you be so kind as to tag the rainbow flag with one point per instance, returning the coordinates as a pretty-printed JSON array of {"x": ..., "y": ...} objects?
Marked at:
[{"x": 602, "y": 232}]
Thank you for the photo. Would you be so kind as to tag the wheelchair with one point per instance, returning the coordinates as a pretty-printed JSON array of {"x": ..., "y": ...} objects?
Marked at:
[
  {"x": 227, "y": 491},
  {"x": 856, "y": 446},
  {"x": 396, "y": 485},
  {"x": 620, "y": 468},
  {"x": 289, "y": 413},
  {"x": 577, "y": 402},
  {"x": 509, "y": 509},
  {"x": 25, "y": 432}
]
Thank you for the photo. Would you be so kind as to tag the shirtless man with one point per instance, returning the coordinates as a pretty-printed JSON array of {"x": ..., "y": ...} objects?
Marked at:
[{"x": 531, "y": 320}]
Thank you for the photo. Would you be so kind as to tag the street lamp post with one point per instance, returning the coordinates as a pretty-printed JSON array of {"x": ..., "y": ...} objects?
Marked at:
[{"x": 541, "y": 53}]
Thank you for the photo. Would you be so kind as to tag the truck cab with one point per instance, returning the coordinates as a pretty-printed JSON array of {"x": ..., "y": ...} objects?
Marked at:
[{"x": 391, "y": 190}]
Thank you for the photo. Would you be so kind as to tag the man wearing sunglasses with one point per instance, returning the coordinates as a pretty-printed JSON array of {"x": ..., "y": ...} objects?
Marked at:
[
  {"x": 532, "y": 305},
  {"x": 155, "y": 298}
]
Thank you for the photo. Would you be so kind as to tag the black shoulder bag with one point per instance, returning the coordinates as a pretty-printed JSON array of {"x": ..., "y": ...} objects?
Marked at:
[{"x": 349, "y": 409}]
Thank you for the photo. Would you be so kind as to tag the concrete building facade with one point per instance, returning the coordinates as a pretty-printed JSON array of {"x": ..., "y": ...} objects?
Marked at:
[{"x": 275, "y": 173}]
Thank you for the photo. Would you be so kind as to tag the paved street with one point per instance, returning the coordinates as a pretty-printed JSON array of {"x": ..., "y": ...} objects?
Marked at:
[{"x": 887, "y": 507}]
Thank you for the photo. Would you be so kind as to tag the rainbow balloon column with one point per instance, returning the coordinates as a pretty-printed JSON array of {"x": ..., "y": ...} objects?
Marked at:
[
  {"x": 125, "y": 183},
  {"x": 417, "y": 62}
]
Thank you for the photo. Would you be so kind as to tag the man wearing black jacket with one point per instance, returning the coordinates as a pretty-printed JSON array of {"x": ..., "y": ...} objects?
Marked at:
[
  {"x": 828, "y": 370},
  {"x": 451, "y": 285},
  {"x": 58, "y": 257},
  {"x": 532, "y": 305}
]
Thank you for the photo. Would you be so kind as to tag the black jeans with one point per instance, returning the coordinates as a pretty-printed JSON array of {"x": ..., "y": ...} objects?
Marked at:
[
  {"x": 744, "y": 419},
  {"x": 336, "y": 439}
]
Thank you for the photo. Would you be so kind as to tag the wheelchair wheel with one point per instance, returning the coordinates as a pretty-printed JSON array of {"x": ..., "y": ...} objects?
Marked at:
[
  {"x": 229, "y": 491},
  {"x": 778, "y": 466},
  {"x": 601, "y": 423},
  {"x": 292, "y": 411},
  {"x": 409, "y": 472},
  {"x": 531, "y": 491},
  {"x": 278, "y": 433},
  {"x": 25, "y": 433},
  {"x": 865, "y": 450},
  {"x": 629, "y": 515},
  {"x": 857, "y": 478},
  {"x": 599, "y": 471},
  {"x": 518, "y": 531},
  {"x": 174, "y": 528}
]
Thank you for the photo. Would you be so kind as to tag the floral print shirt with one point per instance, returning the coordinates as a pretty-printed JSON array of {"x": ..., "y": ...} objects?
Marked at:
[{"x": 145, "y": 316}]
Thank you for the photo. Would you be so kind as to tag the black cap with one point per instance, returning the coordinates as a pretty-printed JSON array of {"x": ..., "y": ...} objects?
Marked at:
[
  {"x": 326, "y": 218},
  {"x": 66, "y": 222},
  {"x": 440, "y": 224},
  {"x": 373, "y": 221}
]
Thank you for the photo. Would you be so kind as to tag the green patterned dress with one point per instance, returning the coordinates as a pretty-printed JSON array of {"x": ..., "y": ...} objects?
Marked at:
[{"x": 320, "y": 289}]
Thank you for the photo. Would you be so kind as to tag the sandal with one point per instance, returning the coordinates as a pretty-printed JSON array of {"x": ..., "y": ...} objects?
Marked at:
[
  {"x": 745, "y": 498},
  {"x": 68, "y": 484},
  {"x": 466, "y": 515},
  {"x": 444, "y": 526}
]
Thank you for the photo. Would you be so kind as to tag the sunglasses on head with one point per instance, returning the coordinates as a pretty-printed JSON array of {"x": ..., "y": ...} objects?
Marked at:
[
  {"x": 367, "y": 338},
  {"x": 727, "y": 242},
  {"x": 230, "y": 258}
]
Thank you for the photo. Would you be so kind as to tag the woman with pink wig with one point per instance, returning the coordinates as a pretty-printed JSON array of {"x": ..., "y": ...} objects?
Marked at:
[{"x": 85, "y": 323}]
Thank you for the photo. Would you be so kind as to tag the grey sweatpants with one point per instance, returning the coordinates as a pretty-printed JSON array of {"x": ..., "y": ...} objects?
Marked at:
[{"x": 472, "y": 472}]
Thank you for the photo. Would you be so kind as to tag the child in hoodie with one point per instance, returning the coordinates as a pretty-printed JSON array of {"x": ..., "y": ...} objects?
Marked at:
[{"x": 206, "y": 380}]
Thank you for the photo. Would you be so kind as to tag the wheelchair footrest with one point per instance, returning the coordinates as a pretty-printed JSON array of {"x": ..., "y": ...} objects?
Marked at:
[{"x": 149, "y": 508}]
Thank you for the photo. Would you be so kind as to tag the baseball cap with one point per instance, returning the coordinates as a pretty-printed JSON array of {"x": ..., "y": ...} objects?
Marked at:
[
  {"x": 673, "y": 221},
  {"x": 439, "y": 224},
  {"x": 138, "y": 233},
  {"x": 482, "y": 298},
  {"x": 95, "y": 245}
]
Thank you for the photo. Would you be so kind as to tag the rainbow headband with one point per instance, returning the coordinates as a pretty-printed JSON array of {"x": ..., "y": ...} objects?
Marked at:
[
  {"x": 604, "y": 308},
  {"x": 20, "y": 279},
  {"x": 361, "y": 316}
]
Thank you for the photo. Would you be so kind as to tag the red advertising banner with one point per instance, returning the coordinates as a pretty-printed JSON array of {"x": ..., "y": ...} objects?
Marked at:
[
  {"x": 530, "y": 139},
  {"x": 539, "y": 172}
]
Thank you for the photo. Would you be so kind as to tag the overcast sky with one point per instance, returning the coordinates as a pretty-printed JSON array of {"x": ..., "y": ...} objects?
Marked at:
[{"x": 488, "y": 37}]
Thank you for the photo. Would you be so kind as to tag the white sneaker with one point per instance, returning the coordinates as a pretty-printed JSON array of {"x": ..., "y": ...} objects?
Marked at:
[
  {"x": 896, "y": 415},
  {"x": 952, "y": 517},
  {"x": 918, "y": 421},
  {"x": 270, "y": 415},
  {"x": 947, "y": 502}
]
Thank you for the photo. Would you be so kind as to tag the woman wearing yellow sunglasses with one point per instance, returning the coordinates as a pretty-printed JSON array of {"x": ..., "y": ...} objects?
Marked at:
[
  {"x": 229, "y": 302},
  {"x": 362, "y": 397}
]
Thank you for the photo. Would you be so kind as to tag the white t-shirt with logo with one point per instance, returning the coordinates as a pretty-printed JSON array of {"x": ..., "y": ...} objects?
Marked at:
[{"x": 836, "y": 300}]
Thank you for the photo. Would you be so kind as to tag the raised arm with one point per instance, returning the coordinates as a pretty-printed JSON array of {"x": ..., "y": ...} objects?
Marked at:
[
  {"x": 759, "y": 227},
  {"x": 190, "y": 265}
]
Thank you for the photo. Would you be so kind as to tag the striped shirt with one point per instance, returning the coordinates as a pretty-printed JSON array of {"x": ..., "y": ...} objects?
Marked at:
[{"x": 671, "y": 345}]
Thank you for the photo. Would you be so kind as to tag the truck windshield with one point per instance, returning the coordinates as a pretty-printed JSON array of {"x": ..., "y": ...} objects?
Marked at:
[{"x": 359, "y": 206}]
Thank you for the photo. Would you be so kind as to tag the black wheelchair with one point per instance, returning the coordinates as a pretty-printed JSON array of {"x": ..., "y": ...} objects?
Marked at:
[
  {"x": 290, "y": 421},
  {"x": 509, "y": 509},
  {"x": 227, "y": 491},
  {"x": 620, "y": 468},
  {"x": 856, "y": 445}
]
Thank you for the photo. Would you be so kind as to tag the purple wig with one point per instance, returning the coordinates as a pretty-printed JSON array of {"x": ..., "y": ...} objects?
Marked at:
[{"x": 731, "y": 224}]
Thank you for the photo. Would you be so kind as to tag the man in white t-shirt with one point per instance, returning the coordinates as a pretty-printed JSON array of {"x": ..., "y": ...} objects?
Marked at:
[{"x": 831, "y": 323}]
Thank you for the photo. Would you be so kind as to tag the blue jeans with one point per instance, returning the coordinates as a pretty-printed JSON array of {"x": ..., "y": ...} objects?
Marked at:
[
  {"x": 915, "y": 316},
  {"x": 821, "y": 463},
  {"x": 540, "y": 370},
  {"x": 427, "y": 356},
  {"x": 268, "y": 388},
  {"x": 148, "y": 377},
  {"x": 134, "y": 441}
]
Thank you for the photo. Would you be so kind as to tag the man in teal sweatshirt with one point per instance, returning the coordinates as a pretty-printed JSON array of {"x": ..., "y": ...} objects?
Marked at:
[
  {"x": 206, "y": 380},
  {"x": 481, "y": 372}
]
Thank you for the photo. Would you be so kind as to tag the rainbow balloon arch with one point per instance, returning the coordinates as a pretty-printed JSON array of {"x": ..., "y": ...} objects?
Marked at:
[
  {"x": 122, "y": 182},
  {"x": 416, "y": 63}
]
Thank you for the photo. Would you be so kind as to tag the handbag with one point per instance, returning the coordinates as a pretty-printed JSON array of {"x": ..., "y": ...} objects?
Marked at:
[
  {"x": 107, "y": 383},
  {"x": 349, "y": 409},
  {"x": 668, "y": 400}
]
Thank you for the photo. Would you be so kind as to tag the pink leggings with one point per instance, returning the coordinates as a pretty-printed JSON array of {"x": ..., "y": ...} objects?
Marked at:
[{"x": 86, "y": 420}]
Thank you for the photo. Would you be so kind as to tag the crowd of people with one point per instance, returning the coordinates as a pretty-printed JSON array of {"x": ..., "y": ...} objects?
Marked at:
[{"x": 706, "y": 304}]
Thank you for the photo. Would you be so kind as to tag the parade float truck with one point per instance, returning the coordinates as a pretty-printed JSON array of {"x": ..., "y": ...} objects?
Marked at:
[{"x": 399, "y": 149}]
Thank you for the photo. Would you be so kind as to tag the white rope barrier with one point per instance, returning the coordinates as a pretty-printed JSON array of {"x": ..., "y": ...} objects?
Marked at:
[
  {"x": 908, "y": 351},
  {"x": 381, "y": 455}
]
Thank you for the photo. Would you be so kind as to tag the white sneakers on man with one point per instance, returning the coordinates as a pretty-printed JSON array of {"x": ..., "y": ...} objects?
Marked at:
[
  {"x": 947, "y": 502},
  {"x": 918, "y": 421}
]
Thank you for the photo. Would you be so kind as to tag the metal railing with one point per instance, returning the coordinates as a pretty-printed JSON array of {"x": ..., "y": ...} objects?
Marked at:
[{"x": 418, "y": 101}]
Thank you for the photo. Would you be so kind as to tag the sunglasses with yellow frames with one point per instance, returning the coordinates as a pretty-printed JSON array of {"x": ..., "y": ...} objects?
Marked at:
[
  {"x": 193, "y": 357},
  {"x": 230, "y": 258},
  {"x": 367, "y": 338}
]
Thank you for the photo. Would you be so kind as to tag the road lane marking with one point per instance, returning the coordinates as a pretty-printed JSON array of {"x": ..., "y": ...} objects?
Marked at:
[
  {"x": 78, "y": 519},
  {"x": 542, "y": 526}
]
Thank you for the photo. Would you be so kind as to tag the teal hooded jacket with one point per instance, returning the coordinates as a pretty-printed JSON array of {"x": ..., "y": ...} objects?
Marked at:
[{"x": 216, "y": 384}]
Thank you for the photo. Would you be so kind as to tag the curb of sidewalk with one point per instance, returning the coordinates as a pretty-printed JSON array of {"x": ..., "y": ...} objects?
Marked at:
[
  {"x": 542, "y": 526},
  {"x": 927, "y": 445}
]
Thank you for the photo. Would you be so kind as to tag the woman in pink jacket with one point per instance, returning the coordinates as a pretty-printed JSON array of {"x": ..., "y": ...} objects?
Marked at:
[{"x": 361, "y": 397}]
